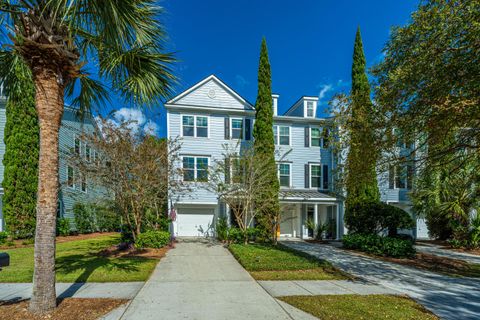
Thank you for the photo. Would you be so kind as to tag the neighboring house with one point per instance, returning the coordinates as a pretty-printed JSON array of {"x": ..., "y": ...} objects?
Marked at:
[
  {"x": 73, "y": 187},
  {"x": 211, "y": 114}
]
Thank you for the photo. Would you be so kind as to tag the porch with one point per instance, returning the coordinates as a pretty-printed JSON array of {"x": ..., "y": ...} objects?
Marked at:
[{"x": 300, "y": 206}]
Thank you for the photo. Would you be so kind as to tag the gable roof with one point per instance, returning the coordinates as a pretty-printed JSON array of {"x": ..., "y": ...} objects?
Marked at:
[{"x": 219, "y": 82}]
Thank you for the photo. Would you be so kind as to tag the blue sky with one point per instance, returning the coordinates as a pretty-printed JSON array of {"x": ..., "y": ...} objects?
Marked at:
[{"x": 310, "y": 43}]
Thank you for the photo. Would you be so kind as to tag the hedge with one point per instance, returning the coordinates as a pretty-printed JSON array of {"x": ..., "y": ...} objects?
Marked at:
[
  {"x": 378, "y": 245},
  {"x": 152, "y": 239}
]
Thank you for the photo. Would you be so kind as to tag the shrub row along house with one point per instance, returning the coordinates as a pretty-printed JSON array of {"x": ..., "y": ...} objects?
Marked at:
[
  {"x": 74, "y": 187},
  {"x": 210, "y": 115}
]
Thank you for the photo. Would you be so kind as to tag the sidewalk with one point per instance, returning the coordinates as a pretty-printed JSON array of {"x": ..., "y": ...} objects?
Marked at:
[
  {"x": 115, "y": 290},
  {"x": 203, "y": 281}
]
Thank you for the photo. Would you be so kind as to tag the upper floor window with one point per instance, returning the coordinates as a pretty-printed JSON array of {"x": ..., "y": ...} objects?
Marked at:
[
  {"x": 195, "y": 126},
  {"x": 237, "y": 171},
  {"x": 88, "y": 153},
  {"x": 284, "y": 174},
  {"x": 77, "y": 145},
  {"x": 315, "y": 137},
  {"x": 315, "y": 176},
  {"x": 236, "y": 131},
  {"x": 310, "y": 109},
  {"x": 401, "y": 176},
  {"x": 83, "y": 183},
  {"x": 281, "y": 135},
  {"x": 70, "y": 177},
  {"x": 195, "y": 168}
]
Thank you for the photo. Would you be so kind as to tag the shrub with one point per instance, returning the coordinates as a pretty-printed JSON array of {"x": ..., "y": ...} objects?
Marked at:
[
  {"x": 106, "y": 219},
  {"x": 378, "y": 245},
  {"x": 3, "y": 237},
  {"x": 152, "y": 239},
  {"x": 63, "y": 226},
  {"x": 374, "y": 217},
  {"x": 235, "y": 235},
  {"x": 222, "y": 229},
  {"x": 84, "y": 218}
]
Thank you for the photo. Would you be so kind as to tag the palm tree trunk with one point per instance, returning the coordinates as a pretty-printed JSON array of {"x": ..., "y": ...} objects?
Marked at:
[{"x": 49, "y": 104}]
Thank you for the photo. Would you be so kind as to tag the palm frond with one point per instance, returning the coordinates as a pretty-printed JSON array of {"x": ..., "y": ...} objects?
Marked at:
[{"x": 87, "y": 93}]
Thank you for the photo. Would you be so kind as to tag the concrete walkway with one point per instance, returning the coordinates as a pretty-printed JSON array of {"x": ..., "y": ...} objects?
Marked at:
[
  {"x": 448, "y": 297},
  {"x": 201, "y": 280},
  {"x": 437, "y": 250},
  {"x": 116, "y": 290},
  {"x": 322, "y": 287}
]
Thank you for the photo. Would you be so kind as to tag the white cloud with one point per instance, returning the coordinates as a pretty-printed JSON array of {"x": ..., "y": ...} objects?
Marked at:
[
  {"x": 137, "y": 121},
  {"x": 151, "y": 128},
  {"x": 324, "y": 90}
]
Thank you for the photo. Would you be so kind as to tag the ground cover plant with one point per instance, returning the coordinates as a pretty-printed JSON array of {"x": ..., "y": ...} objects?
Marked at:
[{"x": 268, "y": 262}]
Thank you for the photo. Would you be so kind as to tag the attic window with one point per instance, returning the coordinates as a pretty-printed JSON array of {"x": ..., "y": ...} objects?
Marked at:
[{"x": 310, "y": 111}]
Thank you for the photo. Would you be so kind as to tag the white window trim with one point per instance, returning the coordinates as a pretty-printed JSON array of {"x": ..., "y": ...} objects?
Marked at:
[
  {"x": 86, "y": 184},
  {"x": 195, "y": 125},
  {"x": 290, "y": 175},
  {"x": 310, "y": 175},
  {"x": 80, "y": 145},
  {"x": 395, "y": 175},
  {"x": 305, "y": 113},
  {"x": 72, "y": 187},
  {"x": 311, "y": 137},
  {"x": 195, "y": 177},
  {"x": 243, "y": 128},
  {"x": 277, "y": 140}
]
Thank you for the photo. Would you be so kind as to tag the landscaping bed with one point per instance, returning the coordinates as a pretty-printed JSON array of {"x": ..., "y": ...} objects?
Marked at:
[
  {"x": 94, "y": 259},
  {"x": 371, "y": 307},
  {"x": 267, "y": 262},
  {"x": 445, "y": 245},
  {"x": 80, "y": 309}
]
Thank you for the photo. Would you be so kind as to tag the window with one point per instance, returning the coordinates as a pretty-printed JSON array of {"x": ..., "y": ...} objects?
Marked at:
[
  {"x": 236, "y": 129},
  {"x": 310, "y": 111},
  {"x": 325, "y": 177},
  {"x": 237, "y": 172},
  {"x": 315, "y": 137},
  {"x": 202, "y": 127},
  {"x": 281, "y": 135},
  {"x": 83, "y": 183},
  {"x": 77, "y": 145},
  {"x": 284, "y": 174},
  {"x": 188, "y": 124},
  {"x": 315, "y": 176},
  {"x": 326, "y": 138},
  {"x": 88, "y": 152},
  {"x": 401, "y": 176},
  {"x": 195, "y": 169},
  {"x": 70, "y": 177}
]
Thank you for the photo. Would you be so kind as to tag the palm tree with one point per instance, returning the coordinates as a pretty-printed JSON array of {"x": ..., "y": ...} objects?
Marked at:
[{"x": 55, "y": 41}]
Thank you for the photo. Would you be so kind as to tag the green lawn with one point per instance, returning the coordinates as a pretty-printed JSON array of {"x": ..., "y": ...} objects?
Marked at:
[
  {"x": 79, "y": 261},
  {"x": 266, "y": 262},
  {"x": 370, "y": 307}
]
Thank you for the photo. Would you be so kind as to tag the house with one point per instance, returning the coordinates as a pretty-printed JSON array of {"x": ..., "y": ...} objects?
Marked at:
[
  {"x": 73, "y": 187},
  {"x": 211, "y": 114}
]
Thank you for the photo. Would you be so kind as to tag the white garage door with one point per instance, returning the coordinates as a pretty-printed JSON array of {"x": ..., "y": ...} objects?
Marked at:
[
  {"x": 195, "y": 222},
  {"x": 422, "y": 230}
]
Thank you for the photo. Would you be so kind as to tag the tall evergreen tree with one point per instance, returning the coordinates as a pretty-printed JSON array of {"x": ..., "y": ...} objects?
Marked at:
[
  {"x": 21, "y": 157},
  {"x": 264, "y": 146},
  {"x": 361, "y": 176}
]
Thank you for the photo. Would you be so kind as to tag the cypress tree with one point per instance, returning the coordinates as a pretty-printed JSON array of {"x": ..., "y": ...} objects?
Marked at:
[
  {"x": 264, "y": 145},
  {"x": 361, "y": 176},
  {"x": 21, "y": 157}
]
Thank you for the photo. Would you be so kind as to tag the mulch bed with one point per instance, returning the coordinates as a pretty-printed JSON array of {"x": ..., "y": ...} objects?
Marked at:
[
  {"x": 23, "y": 243},
  {"x": 123, "y": 250},
  {"x": 68, "y": 309}
]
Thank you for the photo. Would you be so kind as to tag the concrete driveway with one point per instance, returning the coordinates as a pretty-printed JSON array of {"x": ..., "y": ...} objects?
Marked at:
[
  {"x": 448, "y": 297},
  {"x": 202, "y": 280}
]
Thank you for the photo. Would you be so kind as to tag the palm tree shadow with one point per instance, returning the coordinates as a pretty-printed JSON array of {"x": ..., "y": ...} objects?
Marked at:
[{"x": 90, "y": 262}]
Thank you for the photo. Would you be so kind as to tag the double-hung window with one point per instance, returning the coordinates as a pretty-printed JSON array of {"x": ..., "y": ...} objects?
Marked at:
[
  {"x": 281, "y": 135},
  {"x": 401, "y": 176},
  {"x": 236, "y": 131},
  {"x": 237, "y": 171},
  {"x": 83, "y": 183},
  {"x": 70, "y": 177},
  {"x": 195, "y": 126},
  {"x": 77, "y": 145},
  {"x": 315, "y": 137},
  {"x": 195, "y": 168},
  {"x": 315, "y": 176},
  {"x": 88, "y": 153},
  {"x": 284, "y": 174},
  {"x": 310, "y": 109}
]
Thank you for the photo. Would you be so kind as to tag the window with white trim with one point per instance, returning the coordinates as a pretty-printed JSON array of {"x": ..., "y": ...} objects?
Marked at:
[
  {"x": 310, "y": 109},
  {"x": 195, "y": 168},
  {"x": 77, "y": 145},
  {"x": 70, "y": 177},
  {"x": 237, "y": 171},
  {"x": 315, "y": 176},
  {"x": 88, "y": 152},
  {"x": 315, "y": 137},
  {"x": 283, "y": 135},
  {"x": 284, "y": 174},
  {"x": 401, "y": 176},
  {"x": 236, "y": 128},
  {"x": 195, "y": 126},
  {"x": 83, "y": 183}
]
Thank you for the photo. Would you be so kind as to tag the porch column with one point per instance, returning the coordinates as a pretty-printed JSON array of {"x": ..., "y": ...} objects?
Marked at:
[
  {"x": 338, "y": 221},
  {"x": 315, "y": 217},
  {"x": 227, "y": 214}
]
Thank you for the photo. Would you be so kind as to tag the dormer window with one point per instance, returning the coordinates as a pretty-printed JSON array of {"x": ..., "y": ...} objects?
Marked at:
[{"x": 310, "y": 109}]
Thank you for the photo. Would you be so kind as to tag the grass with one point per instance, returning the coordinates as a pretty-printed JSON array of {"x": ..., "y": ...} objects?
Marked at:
[
  {"x": 80, "y": 261},
  {"x": 267, "y": 262},
  {"x": 371, "y": 307}
]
